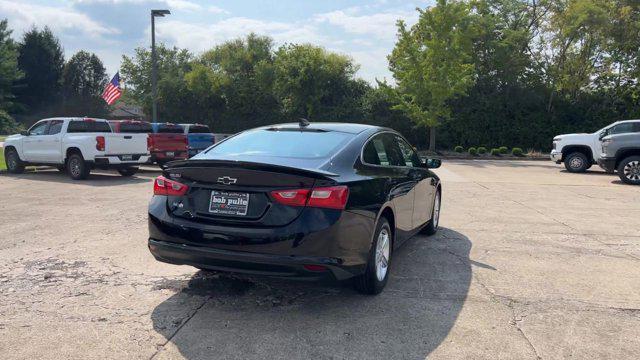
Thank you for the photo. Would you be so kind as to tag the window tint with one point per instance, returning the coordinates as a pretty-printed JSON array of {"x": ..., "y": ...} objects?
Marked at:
[
  {"x": 55, "y": 127},
  {"x": 135, "y": 127},
  {"x": 622, "y": 128},
  {"x": 282, "y": 143},
  {"x": 199, "y": 129},
  {"x": 170, "y": 129},
  {"x": 374, "y": 152},
  {"x": 39, "y": 128},
  {"x": 88, "y": 126},
  {"x": 409, "y": 155},
  {"x": 393, "y": 150}
]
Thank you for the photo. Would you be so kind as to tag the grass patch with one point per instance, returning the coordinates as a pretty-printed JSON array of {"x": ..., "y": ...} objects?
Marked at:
[
  {"x": 3, "y": 166},
  {"x": 2, "y": 137}
]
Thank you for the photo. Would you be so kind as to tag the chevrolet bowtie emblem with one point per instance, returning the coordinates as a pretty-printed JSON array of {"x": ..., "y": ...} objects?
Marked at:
[{"x": 226, "y": 180}]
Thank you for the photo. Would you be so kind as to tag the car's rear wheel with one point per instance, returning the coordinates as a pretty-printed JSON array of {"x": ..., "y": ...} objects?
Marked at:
[
  {"x": 576, "y": 162},
  {"x": 77, "y": 167},
  {"x": 629, "y": 170},
  {"x": 14, "y": 164},
  {"x": 432, "y": 227},
  {"x": 377, "y": 272},
  {"x": 128, "y": 171}
]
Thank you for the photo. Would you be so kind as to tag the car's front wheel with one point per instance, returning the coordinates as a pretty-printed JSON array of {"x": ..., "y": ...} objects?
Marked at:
[
  {"x": 76, "y": 166},
  {"x": 128, "y": 171},
  {"x": 629, "y": 170},
  {"x": 14, "y": 164},
  {"x": 576, "y": 162},
  {"x": 377, "y": 272}
]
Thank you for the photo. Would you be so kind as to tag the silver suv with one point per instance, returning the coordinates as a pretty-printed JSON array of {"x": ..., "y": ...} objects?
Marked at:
[{"x": 621, "y": 152}]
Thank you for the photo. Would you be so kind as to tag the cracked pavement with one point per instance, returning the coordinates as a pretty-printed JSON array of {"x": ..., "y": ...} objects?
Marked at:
[{"x": 531, "y": 263}]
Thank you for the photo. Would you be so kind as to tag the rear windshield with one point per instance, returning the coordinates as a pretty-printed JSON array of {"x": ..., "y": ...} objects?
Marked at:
[
  {"x": 135, "y": 127},
  {"x": 88, "y": 126},
  {"x": 171, "y": 129},
  {"x": 199, "y": 129},
  {"x": 292, "y": 144}
]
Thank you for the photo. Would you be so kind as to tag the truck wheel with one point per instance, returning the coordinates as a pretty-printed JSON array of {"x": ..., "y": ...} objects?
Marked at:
[
  {"x": 377, "y": 272},
  {"x": 629, "y": 170},
  {"x": 77, "y": 167},
  {"x": 14, "y": 164},
  {"x": 128, "y": 171},
  {"x": 576, "y": 162}
]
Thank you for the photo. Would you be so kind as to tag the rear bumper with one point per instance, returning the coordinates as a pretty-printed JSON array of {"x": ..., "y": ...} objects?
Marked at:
[
  {"x": 162, "y": 156},
  {"x": 607, "y": 163},
  {"x": 115, "y": 161},
  {"x": 340, "y": 243}
]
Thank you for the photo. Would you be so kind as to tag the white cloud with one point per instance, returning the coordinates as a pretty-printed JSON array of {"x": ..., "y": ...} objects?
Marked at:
[
  {"x": 380, "y": 25},
  {"x": 183, "y": 5},
  {"x": 217, "y": 10},
  {"x": 59, "y": 19},
  {"x": 174, "y": 5}
]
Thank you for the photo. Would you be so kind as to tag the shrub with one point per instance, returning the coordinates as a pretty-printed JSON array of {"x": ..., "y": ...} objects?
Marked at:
[
  {"x": 517, "y": 152},
  {"x": 503, "y": 150},
  {"x": 482, "y": 150},
  {"x": 495, "y": 152},
  {"x": 8, "y": 126},
  {"x": 458, "y": 149},
  {"x": 473, "y": 151}
]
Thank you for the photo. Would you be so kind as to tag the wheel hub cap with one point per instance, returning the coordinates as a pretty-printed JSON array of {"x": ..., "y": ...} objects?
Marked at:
[
  {"x": 632, "y": 170},
  {"x": 382, "y": 254},
  {"x": 75, "y": 167},
  {"x": 576, "y": 163},
  {"x": 436, "y": 210}
]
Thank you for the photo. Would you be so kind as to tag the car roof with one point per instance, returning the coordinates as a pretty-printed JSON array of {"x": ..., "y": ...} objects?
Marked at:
[
  {"x": 328, "y": 126},
  {"x": 626, "y": 121}
]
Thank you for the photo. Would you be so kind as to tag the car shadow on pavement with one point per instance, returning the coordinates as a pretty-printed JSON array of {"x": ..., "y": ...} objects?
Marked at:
[
  {"x": 214, "y": 315},
  {"x": 96, "y": 178}
]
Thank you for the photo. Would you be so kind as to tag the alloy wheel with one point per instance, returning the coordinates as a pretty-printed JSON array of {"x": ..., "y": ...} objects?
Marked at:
[
  {"x": 632, "y": 170},
  {"x": 576, "y": 162},
  {"x": 382, "y": 254},
  {"x": 436, "y": 210},
  {"x": 12, "y": 162},
  {"x": 74, "y": 166}
]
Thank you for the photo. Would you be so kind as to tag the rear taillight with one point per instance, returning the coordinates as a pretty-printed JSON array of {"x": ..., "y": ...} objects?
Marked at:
[
  {"x": 100, "y": 143},
  {"x": 168, "y": 187},
  {"x": 334, "y": 197}
]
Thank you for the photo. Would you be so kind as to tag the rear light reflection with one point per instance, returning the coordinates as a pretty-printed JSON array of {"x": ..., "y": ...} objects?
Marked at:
[
  {"x": 168, "y": 187},
  {"x": 334, "y": 197},
  {"x": 316, "y": 268}
]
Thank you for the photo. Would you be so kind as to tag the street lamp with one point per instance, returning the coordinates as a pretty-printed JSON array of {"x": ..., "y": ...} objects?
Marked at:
[{"x": 154, "y": 65}]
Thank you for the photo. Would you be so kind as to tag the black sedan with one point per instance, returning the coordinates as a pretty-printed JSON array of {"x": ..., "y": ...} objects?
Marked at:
[{"x": 306, "y": 201}]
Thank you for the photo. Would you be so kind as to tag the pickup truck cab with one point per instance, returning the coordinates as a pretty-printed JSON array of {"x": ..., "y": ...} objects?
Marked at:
[
  {"x": 579, "y": 152},
  {"x": 621, "y": 152},
  {"x": 76, "y": 145},
  {"x": 199, "y": 137},
  {"x": 167, "y": 142}
]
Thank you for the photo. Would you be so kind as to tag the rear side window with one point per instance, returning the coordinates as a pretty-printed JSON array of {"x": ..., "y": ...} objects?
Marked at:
[
  {"x": 55, "y": 127},
  {"x": 135, "y": 127},
  {"x": 199, "y": 129},
  {"x": 383, "y": 149},
  {"x": 169, "y": 129},
  {"x": 283, "y": 143},
  {"x": 87, "y": 126}
]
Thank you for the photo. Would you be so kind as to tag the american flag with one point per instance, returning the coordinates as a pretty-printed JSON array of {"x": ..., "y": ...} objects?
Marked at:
[{"x": 112, "y": 92}]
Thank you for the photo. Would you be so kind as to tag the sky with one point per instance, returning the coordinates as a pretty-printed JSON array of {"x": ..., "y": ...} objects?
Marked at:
[{"x": 363, "y": 30}]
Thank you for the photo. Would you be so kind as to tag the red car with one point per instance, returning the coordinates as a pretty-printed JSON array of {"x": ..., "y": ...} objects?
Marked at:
[{"x": 166, "y": 141}]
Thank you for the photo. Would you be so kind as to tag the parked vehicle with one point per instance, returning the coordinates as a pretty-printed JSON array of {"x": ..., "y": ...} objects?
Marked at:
[
  {"x": 310, "y": 201},
  {"x": 621, "y": 152},
  {"x": 199, "y": 137},
  {"x": 580, "y": 151},
  {"x": 168, "y": 142},
  {"x": 76, "y": 145}
]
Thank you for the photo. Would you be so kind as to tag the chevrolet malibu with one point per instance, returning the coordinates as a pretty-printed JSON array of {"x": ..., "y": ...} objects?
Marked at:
[{"x": 305, "y": 201}]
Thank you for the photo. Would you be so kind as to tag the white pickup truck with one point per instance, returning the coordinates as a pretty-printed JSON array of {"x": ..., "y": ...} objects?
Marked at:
[
  {"x": 580, "y": 151},
  {"x": 76, "y": 145}
]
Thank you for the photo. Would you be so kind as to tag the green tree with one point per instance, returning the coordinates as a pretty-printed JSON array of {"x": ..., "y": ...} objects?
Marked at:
[
  {"x": 431, "y": 63},
  {"x": 9, "y": 72},
  {"x": 309, "y": 80},
  {"x": 84, "y": 79},
  {"x": 42, "y": 61}
]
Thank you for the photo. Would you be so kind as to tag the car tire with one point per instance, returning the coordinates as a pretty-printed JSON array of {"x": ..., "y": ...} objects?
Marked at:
[
  {"x": 14, "y": 164},
  {"x": 629, "y": 170},
  {"x": 376, "y": 273},
  {"x": 77, "y": 168},
  {"x": 432, "y": 227},
  {"x": 576, "y": 162},
  {"x": 128, "y": 171}
]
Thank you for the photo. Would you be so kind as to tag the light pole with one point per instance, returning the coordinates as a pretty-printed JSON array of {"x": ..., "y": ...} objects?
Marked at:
[{"x": 154, "y": 64}]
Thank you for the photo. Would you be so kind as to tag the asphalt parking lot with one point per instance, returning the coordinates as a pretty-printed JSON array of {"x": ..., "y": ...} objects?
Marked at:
[{"x": 531, "y": 262}]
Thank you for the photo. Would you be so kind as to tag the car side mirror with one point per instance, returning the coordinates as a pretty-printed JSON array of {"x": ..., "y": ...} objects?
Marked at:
[
  {"x": 432, "y": 163},
  {"x": 24, "y": 133}
]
